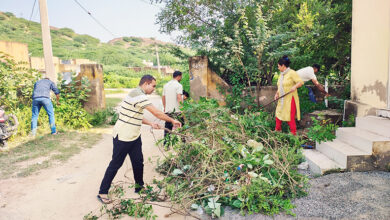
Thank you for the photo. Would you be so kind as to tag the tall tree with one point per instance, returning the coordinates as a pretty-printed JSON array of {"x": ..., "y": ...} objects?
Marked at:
[{"x": 244, "y": 38}]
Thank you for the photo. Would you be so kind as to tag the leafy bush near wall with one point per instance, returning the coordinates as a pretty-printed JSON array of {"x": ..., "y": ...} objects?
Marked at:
[
  {"x": 103, "y": 117},
  {"x": 322, "y": 130},
  {"x": 307, "y": 106},
  {"x": 16, "y": 83},
  {"x": 16, "y": 87},
  {"x": 70, "y": 112}
]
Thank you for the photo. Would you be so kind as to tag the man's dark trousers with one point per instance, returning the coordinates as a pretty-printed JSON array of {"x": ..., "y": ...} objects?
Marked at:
[{"x": 121, "y": 149}]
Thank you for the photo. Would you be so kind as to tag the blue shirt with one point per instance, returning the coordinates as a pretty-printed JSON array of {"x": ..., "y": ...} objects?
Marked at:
[{"x": 42, "y": 89}]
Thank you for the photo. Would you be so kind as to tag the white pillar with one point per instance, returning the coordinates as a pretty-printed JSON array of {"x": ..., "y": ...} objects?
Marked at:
[
  {"x": 158, "y": 60},
  {"x": 326, "y": 90},
  {"x": 46, "y": 40}
]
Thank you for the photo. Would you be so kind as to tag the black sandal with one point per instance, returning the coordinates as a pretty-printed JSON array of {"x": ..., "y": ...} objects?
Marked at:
[{"x": 103, "y": 200}]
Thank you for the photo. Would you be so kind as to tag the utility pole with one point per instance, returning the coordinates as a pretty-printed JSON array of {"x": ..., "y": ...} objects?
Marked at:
[
  {"x": 46, "y": 40},
  {"x": 158, "y": 60}
]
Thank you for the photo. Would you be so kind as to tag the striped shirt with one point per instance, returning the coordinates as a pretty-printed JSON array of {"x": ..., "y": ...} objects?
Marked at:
[{"x": 128, "y": 126}]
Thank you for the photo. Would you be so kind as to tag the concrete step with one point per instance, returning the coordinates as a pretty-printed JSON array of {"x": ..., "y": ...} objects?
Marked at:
[
  {"x": 319, "y": 163},
  {"x": 374, "y": 124},
  {"x": 359, "y": 138},
  {"x": 383, "y": 113},
  {"x": 339, "y": 151}
]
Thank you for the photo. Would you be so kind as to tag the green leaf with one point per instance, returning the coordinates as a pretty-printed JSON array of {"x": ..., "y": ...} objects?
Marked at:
[
  {"x": 211, "y": 205},
  {"x": 217, "y": 210},
  {"x": 177, "y": 172},
  {"x": 187, "y": 167},
  {"x": 253, "y": 174},
  {"x": 194, "y": 206},
  {"x": 237, "y": 203}
]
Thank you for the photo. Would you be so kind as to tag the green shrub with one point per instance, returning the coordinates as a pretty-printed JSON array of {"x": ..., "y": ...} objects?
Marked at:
[
  {"x": 9, "y": 14},
  {"x": 16, "y": 84},
  {"x": 350, "y": 122},
  {"x": 70, "y": 111},
  {"x": 105, "y": 116},
  {"x": 24, "y": 117},
  {"x": 114, "y": 118},
  {"x": 307, "y": 106},
  {"x": 67, "y": 32},
  {"x": 86, "y": 39},
  {"x": 322, "y": 130}
]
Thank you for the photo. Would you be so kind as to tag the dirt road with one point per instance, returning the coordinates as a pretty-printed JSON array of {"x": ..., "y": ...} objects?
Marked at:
[{"x": 69, "y": 190}]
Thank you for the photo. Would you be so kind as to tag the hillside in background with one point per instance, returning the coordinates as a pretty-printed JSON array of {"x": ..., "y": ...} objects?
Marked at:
[{"x": 123, "y": 51}]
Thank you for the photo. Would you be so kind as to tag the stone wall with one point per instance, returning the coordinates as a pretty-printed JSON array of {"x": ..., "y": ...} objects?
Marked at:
[
  {"x": 204, "y": 82},
  {"x": 96, "y": 100}
]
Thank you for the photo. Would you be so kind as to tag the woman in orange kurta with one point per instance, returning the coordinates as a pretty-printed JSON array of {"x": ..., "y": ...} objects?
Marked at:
[{"x": 288, "y": 106}]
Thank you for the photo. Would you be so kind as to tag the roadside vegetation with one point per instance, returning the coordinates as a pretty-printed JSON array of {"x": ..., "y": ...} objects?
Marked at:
[{"x": 27, "y": 155}]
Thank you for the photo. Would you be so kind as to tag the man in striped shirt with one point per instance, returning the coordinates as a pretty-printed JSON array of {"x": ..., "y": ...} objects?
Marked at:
[{"x": 127, "y": 134}]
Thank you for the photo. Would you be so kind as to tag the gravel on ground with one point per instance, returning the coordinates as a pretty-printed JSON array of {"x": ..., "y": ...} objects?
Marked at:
[{"x": 350, "y": 195}]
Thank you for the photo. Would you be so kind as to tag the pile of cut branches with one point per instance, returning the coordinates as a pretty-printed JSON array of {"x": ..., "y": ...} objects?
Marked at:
[
  {"x": 220, "y": 159},
  {"x": 227, "y": 159}
]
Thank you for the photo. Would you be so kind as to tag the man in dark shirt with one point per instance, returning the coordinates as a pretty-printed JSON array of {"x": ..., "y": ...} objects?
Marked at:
[{"x": 41, "y": 98}]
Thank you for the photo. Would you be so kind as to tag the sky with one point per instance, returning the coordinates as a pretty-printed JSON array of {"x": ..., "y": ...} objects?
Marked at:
[{"x": 121, "y": 17}]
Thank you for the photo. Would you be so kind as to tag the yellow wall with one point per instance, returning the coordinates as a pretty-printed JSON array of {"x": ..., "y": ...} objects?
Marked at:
[
  {"x": 82, "y": 61},
  {"x": 38, "y": 63},
  {"x": 19, "y": 51},
  {"x": 370, "y": 52}
]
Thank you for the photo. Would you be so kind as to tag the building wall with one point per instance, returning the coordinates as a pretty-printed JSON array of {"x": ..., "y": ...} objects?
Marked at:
[
  {"x": 18, "y": 51},
  {"x": 370, "y": 53}
]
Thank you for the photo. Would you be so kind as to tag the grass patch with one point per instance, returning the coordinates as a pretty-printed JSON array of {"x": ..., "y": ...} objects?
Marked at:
[
  {"x": 45, "y": 147},
  {"x": 114, "y": 91},
  {"x": 112, "y": 102},
  {"x": 33, "y": 168}
]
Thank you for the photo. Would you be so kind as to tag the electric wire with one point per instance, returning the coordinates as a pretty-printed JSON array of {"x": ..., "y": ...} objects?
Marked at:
[
  {"x": 97, "y": 21},
  {"x": 32, "y": 12}
]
